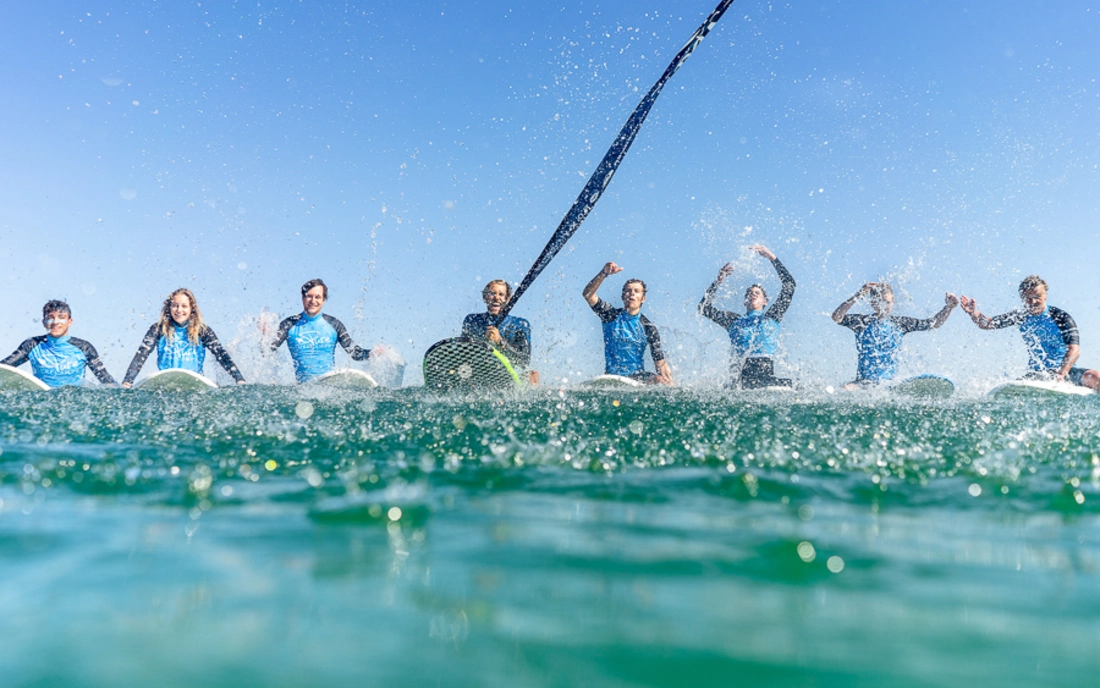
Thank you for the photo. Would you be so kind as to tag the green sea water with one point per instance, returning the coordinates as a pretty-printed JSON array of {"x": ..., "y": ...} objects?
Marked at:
[{"x": 307, "y": 537}]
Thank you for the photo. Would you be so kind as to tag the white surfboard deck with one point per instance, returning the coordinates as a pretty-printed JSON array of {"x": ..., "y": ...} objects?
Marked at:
[
  {"x": 925, "y": 387},
  {"x": 346, "y": 377},
  {"x": 176, "y": 380},
  {"x": 1039, "y": 388},
  {"x": 613, "y": 381},
  {"x": 14, "y": 379}
]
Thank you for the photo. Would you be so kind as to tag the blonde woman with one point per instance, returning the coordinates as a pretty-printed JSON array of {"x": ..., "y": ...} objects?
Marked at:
[{"x": 181, "y": 340}]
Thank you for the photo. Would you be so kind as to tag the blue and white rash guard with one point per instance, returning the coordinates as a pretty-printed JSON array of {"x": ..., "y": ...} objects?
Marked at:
[
  {"x": 878, "y": 343},
  {"x": 1047, "y": 336},
  {"x": 178, "y": 351},
  {"x": 516, "y": 333},
  {"x": 312, "y": 343},
  {"x": 625, "y": 338},
  {"x": 59, "y": 361}
]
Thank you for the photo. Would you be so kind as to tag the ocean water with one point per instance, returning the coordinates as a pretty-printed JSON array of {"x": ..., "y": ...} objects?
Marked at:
[{"x": 284, "y": 536}]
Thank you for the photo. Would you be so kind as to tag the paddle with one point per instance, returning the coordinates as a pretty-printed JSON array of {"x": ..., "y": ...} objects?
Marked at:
[{"x": 599, "y": 180}]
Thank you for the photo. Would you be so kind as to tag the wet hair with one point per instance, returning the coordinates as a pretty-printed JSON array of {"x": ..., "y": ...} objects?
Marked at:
[
  {"x": 757, "y": 286},
  {"x": 634, "y": 281},
  {"x": 315, "y": 283},
  {"x": 167, "y": 325},
  {"x": 1031, "y": 282},
  {"x": 56, "y": 306},
  {"x": 489, "y": 287},
  {"x": 881, "y": 291}
]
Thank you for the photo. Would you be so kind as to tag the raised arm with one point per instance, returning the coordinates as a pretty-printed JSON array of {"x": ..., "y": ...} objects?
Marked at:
[
  {"x": 281, "y": 334},
  {"x": 593, "y": 285},
  {"x": 148, "y": 342},
  {"x": 949, "y": 303},
  {"x": 706, "y": 308},
  {"x": 787, "y": 285},
  {"x": 210, "y": 341},
  {"x": 970, "y": 307},
  {"x": 843, "y": 308}
]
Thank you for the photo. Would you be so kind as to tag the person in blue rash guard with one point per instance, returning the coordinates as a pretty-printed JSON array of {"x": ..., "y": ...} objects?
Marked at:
[
  {"x": 878, "y": 335},
  {"x": 754, "y": 336},
  {"x": 181, "y": 339},
  {"x": 58, "y": 359},
  {"x": 1050, "y": 334},
  {"x": 626, "y": 332},
  {"x": 311, "y": 336},
  {"x": 511, "y": 335}
]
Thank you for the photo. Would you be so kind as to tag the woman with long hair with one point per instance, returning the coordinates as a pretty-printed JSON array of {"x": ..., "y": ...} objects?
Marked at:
[{"x": 181, "y": 339}]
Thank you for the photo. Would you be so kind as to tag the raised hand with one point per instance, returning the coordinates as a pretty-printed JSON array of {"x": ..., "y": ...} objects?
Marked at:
[
  {"x": 969, "y": 305},
  {"x": 950, "y": 300},
  {"x": 611, "y": 269},
  {"x": 725, "y": 272},
  {"x": 762, "y": 251}
]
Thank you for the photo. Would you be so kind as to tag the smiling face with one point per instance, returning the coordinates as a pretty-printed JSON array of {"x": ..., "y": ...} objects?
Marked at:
[
  {"x": 313, "y": 300},
  {"x": 180, "y": 309},
  {"x": 57, "y": 323},
  {"x": 1035, "y": 299},
  {"x": 633, "y": 296},
  {"x": 495, "y": 295},
  {"x": 755, "y": 298}
]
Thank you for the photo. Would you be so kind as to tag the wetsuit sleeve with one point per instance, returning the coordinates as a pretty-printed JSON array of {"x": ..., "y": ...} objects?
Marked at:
[
  {"x": 786, "y": 292},
  {"x": 356, "y": 352},
  {"x": 94, "y": 362},
  {"x": 907, "y": 324},
  {"x": 605, "y": 311},
  {"x": 468, "y": 326},
  {"x": 147, "y": 343},
  {"x": 22, "y": 354},
  {"x": 210, "y": 341},
  {"x": 1066, "y": 326},
  {"x": 723, "y": 318},
  {"x": 282, "y": 332},
  {"x": 856, "y": 323},
  {"x": 518, "y": 344},
  {"x": 654, "y": 339},
  {"x": 1009, "y": 319}
]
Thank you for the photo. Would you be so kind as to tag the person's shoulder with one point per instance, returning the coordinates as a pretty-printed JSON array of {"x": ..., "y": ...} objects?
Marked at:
[
  {"x": 520, "y": 322},
  {"x": 474, "y": 317},
  {"x": 82, "y": 344},
  {"x": 290, "y": 321},
  {"x": 331, "y": 320},
  {"x": 31, "y": 342},
  {"x": 1056, "y": 312}
]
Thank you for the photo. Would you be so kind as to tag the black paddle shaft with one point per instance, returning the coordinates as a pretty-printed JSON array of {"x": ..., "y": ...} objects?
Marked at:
[{"x": 599, "y": 180}]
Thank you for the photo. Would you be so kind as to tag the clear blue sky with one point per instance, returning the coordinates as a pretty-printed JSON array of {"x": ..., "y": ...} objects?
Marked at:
[{"x": 407, "y": 152}]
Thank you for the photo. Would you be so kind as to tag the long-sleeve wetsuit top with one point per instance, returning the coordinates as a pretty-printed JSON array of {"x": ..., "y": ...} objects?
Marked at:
[
  {"x": 1047, "y": 336},
  {"x": 177, "y": 351},
  {"x": 312, "y": 343},
  {"x": 756, "y": 333},
  {"x": 60, "y": 361},
  {"x": 516, "y": 333},
  {"x": 878, "y": 342},
  {"x": 625, "y": 338}
]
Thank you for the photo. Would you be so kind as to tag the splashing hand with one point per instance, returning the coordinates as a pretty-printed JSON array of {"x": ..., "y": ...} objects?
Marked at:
[
  {"x": 611, "y": 269},
  {"x": 762, "y": 251}
]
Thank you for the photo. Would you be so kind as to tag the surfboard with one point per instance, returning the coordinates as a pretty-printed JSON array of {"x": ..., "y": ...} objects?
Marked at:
[
  {"x": 1038, "y": 388},
  {"x": 613, "y": 381},
  {"x": 463, "y": 364},
  {"x": 176, "y": 380},
  {"x": 925, "y": 387},
  {"x": 346, "y": 377},
  {"x": 13, "y": 379}
]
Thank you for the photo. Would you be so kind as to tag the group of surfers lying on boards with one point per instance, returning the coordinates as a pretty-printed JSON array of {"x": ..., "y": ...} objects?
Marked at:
[{"x": 181, "y": 337}]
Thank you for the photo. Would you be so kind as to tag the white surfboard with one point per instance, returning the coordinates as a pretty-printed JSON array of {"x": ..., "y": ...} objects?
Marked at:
[
  {"x": 346, "y": 377},
  {"x": 613, "y": 381},
  {"x": 176, "y": 380},
  {"x": 14, "y": 379},
  {"x": 925, "y": 387},
  {"x": 1039, "y": 388}
]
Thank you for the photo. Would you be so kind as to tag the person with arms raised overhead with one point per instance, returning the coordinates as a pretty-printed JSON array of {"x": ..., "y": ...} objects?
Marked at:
[
  {"x": 754, "y": 336},
  {"x": 56, "y": 358},
  {"x": 626, "y": 332},
  {"x": 1050, "y": 335},
  {"x": 181, "y": 339},
  {"x": 311, "y": 336},
  {"x": 879, "y": 334}
]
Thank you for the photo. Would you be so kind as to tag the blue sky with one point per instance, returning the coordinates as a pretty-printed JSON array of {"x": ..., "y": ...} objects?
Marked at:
[{"x": 407, "y": 152}]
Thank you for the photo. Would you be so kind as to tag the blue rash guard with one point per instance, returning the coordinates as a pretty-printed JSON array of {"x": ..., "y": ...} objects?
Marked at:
[
  {"x": 625, "y": 338},
  {"x": 312, "y": 343},
  {"x": 1047, "y": 336},
  {"x": 755, "y": 334},
  {"x": 59, "y": 361},
  {"x": 516, "y": 333},
  {"x": 878, "y": 343},
  {"x": 178, "y": 351}
]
